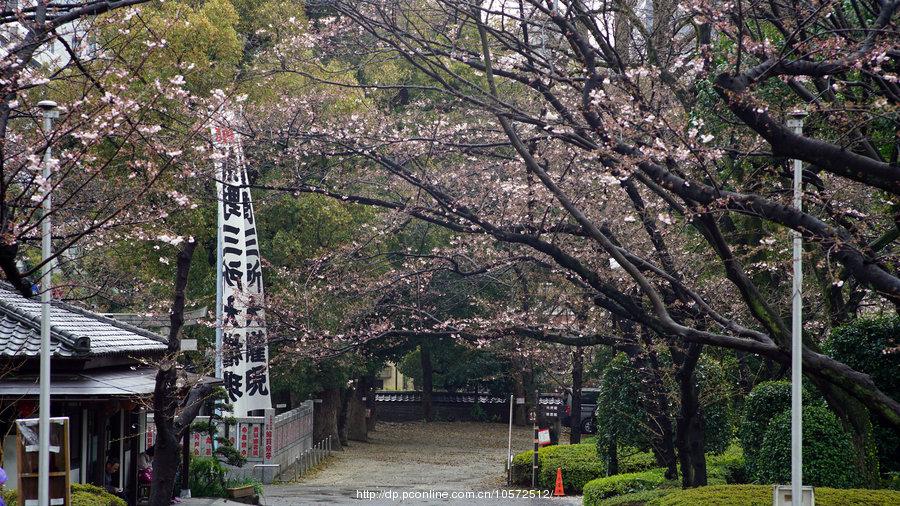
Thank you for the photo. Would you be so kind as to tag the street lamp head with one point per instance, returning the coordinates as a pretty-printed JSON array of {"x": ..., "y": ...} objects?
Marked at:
[
  {"x": 795, "y": 118},
  {"x": 50, "y": 108}
]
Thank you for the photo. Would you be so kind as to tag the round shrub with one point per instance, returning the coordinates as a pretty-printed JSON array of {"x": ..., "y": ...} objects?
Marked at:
[
  {"x": 765, "y": 402},
  {"x": 828, "y": 453}
]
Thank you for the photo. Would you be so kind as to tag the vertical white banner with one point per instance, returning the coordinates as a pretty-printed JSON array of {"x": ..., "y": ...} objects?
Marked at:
[{"x": 244, "y": 351}]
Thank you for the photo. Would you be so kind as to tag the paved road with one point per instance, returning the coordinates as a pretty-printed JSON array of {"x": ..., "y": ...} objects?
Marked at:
[{"x": 414, "y": 463}]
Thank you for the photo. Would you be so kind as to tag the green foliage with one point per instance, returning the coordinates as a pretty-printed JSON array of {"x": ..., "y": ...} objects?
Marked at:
[
  {"x": 207, "y": 477},
  {"x": 715, "y": 398},
  {"x": 479, "y": 414},
  {"x": 761, "y": 495},
  {"x": 83, "y": 494},
  {"x": 633, "y": 461},
  {"x": 610, "y": 486},
  {"x": 87, "y": 499},
  {"x": 521, "y": 467},
  {"x": 729, "y": 466},
  {"x": 579, "y": 464},
  {"x": 459, "y": 368},
  {"x": 634, "y": 498},
  {"x": 861, "y": 345},
  {"x": 10, "y": 497},
  {"x": 766, "y": 400},
  {"x": 256, "y": 484},
  {"x": 619, "y": 415},
  {"x": 828, "y": 453}
]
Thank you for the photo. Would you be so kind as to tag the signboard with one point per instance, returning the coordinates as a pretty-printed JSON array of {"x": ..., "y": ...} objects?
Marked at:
[
  {"x": 551, "y": 407},
  {"x": 544, "y": 437},
  {"x": 27, "y": 458},
  {"x": 245, "y": 352}
]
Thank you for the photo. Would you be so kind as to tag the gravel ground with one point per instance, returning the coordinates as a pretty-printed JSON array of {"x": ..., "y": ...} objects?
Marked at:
[
  {"x": 412, "y": 463},
  {"x": 423, "y": 456}
]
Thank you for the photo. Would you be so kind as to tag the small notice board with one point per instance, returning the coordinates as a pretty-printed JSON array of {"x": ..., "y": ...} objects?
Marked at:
[
  {"x": 27, "y": 457},
  {"x": 544, "y": 437}
]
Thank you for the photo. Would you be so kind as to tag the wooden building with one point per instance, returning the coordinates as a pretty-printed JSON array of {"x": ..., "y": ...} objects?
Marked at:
[{"x": 102, "y": 377}]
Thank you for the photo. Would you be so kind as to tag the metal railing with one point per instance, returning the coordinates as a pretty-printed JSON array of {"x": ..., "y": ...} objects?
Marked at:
[{"x": 311, "y": 457}]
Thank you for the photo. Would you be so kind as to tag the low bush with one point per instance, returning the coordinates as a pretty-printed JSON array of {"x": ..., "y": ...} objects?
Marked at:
[
  {"x": 82, "y": 495},
  {"x": 636, "y": 498},
  {"x": 207, "y": 477},
  {"x": 828, "y": 453},
  {"x": 761, "y": 495},
  {"x": 10, "y": 497},
  {"x": 619, "y": 484},
  {"x": 521, "y": 468},
  {"x": 253, "y": 482},
  {"x": 728, "y": 466},
  {"x": 579, "y": 465}
]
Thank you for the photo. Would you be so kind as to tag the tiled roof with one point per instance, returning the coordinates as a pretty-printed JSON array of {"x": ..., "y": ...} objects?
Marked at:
[{"x": 75, "y": 332}]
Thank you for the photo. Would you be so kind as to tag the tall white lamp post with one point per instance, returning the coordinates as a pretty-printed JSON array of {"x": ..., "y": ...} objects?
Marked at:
[
  {"x": 50, "y": 112},
  {"x": 796, "y": 124}
]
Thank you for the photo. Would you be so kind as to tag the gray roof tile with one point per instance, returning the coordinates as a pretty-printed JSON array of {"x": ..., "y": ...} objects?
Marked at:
[{"x": 75, "y": 332}]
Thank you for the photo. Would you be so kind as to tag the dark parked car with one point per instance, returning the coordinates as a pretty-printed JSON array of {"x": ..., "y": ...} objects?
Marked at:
[{"x": 588, "y": 407}]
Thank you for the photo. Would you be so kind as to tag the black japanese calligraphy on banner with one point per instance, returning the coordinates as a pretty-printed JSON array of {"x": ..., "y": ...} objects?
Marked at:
[{"x": 244, "y": 353}]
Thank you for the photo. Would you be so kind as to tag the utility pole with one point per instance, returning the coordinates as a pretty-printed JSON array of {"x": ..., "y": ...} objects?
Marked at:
[
  {"x": 796, "y": 124},
  {"x": 50, "y": 112},
  {"x": 534, "y": 456}
]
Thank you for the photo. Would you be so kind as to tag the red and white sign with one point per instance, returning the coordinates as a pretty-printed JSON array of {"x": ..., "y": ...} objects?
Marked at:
[{"x": 544, "y": 437}]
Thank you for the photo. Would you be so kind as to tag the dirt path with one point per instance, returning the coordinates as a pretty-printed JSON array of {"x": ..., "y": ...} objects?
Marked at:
[
  {"x": 404, "y": 462},
  {"x": 450, "y": 455}
]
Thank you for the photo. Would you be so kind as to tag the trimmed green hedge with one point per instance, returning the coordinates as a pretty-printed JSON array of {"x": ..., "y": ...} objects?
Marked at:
[
  {"x": 82, "y": 495},
  {"x": 521, "y": 468},
  {"x": 636, "y": 498},
  {"x": 828, "y": 453},
  {"x": 761, "y": 495},
  {"x": 620, "y": 484},
  {"x": 579, "y": 464}
]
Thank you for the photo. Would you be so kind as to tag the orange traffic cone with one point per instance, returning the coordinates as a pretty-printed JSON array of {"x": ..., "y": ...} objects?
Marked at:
[{"x": 559, "y": 492}]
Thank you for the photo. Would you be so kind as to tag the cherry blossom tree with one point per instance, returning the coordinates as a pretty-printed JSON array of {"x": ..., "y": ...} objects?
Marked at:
[{"x": 637, "y": 160}]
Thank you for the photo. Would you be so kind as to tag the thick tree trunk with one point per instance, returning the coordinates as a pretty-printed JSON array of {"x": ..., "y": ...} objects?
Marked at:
[
  {"x": 166, "y": 402},
  {"x": 654, "y": 399},
  {"x": 690, "y": 427},
  {"x": 520, "y": 411},
  {"x": 344, "y": 416},
  {"x": 357, "y": 428},
  {"x": 427, "y": 382},
  {"x": 612, "y": 452},
  {"x": 325, "y": 416},
  {"x": 370, "y": 403},
  {"x": 575, "y": 415}
]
